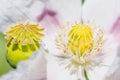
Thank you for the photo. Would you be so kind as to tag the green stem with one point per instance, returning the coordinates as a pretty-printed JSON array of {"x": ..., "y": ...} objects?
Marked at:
[
  {"x": 82, "y": 1},
  {"x": 85, "y": 75}
]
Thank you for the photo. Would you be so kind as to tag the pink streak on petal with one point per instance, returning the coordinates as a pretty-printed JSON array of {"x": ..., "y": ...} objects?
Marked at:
[
  {"x": 44, "y": 78},
  {"x": 116, "y": 25},
  {"x": 48, "y": 19},
  {"x": 50, "y": 13},
  {"x": 116, "y": 29}
]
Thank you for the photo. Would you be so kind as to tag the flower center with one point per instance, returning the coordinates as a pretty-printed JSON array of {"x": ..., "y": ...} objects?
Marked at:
[
  {"x": 25, "y": 33},
  {"x": 80, "y": 39},
  {"x": 23, "y": 40}
]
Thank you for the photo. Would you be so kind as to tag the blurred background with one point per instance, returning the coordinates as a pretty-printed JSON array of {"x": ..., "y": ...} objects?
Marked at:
[{"x": 51, "y": 13}]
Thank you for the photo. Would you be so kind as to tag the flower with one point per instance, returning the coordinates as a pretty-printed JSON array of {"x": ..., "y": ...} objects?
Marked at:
[
  {"x": 81, "y": 48},
  {"x": 23, "y": 40}
]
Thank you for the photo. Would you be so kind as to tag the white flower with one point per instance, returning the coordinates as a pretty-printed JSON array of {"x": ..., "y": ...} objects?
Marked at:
[{"x": 83, "y": 48}]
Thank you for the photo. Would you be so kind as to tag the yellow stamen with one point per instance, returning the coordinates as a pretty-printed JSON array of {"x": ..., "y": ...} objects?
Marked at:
[
  {"x": 25, "y": 33},
  {"x": 80, "y": 39}
]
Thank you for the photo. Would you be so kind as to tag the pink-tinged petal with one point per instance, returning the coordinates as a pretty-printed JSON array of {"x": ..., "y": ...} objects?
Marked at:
[
  {"x": 116, "y": 25},
  {"x": 44, "y": 78},
  {"x": 48, "y": 19},
  {"x": 116, "y": 29},
  {"x": 45, "y": 12}
]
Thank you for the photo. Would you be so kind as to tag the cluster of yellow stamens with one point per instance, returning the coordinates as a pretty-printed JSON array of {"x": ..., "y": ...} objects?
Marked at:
[
  {"x": 81, "y": 46},
  {"x": 80, "y": 38}
]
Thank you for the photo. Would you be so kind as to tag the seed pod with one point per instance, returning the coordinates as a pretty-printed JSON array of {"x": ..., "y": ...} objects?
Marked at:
[{"x": 23, "y": 40}]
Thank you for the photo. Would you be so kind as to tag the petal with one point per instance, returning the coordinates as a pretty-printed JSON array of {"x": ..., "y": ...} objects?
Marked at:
[
  {"x": 68, "y": 10},
  {"x": 33, "y": 69},
  {"x": 116, "y": 29},
  {"x": 103, "y": 12},
  {"x": 18, "y": 11}
]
